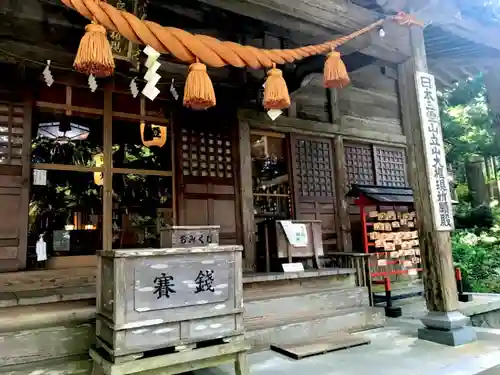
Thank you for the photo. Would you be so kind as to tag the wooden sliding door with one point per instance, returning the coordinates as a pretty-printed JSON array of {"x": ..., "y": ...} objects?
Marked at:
[
  {"x": 313, "y": 181},
  {"x": 207, "y": 174}
]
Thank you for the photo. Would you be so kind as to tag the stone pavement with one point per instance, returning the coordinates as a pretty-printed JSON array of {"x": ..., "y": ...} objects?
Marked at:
[{"x": 394, "y": 350}]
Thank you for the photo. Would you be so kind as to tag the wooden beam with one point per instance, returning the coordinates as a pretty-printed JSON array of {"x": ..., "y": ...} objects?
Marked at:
[
  {"x": 247, "y": 209},
  {"x": 351, "y": 130},
  {"x": 444, "y": 324},
  {"x": 448, "y": 16},
  {"x": 322, "y": 19}
]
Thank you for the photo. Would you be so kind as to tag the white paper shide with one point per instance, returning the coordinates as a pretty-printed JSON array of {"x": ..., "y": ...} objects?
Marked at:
[{"x": 434, "y": 152}]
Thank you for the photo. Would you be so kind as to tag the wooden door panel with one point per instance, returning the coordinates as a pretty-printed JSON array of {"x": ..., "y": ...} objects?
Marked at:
[
  {"x": 10, "y": 206},
  {"x": 195, "y": 212},
  {"x": 313, "y": 181},
  {"x": 207, "y": 178},
  {"x": 224, "y": 212},
  {"x": 14, "y": 188}
]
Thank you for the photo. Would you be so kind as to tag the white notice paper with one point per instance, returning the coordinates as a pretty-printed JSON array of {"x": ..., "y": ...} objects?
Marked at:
[
  {"x": 293, "y": 267},
  {"x": 41, "y": 250},
  {"x": 295, "y": 233},
  {"x": 39, "y": 177}
]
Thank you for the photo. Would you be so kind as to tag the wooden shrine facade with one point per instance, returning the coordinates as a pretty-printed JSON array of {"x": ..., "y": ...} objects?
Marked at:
[
  {"x": 230, "y": 166},
  {"x": 207, "y": 173}
]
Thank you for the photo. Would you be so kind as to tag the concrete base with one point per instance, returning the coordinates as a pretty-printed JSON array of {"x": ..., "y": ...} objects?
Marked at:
[
  {"x": 447, "y": 328},
  {"x": 455, "y": 337}
]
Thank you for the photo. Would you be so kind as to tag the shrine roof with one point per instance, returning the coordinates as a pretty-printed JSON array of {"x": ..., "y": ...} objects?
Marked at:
[{"x": 382, "y": 194}]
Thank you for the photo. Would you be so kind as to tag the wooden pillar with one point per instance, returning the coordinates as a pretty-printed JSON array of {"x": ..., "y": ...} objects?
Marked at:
[
  {"x": 342, "y": 188},
  {"x": 107, "y": 214},
  {"x": 248, "y": 225},
  {"x": 444, "y": 323}
]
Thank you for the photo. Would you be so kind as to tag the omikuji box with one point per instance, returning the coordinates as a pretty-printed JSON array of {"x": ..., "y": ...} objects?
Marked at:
[{"x": 157, "y": 298}]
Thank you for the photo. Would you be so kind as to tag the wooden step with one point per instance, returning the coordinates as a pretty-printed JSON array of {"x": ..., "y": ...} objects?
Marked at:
[
  {"x": 276, "y": 330},
  {"x": 307, "y": 348},
  {"x": 306, "y": 302},
  {"x": 261, "y": 288}
]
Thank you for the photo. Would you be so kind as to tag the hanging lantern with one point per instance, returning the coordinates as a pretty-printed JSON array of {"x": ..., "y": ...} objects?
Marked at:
[
  {"x": 99, "y": 162},
  {"x": 153, "y": 135}
]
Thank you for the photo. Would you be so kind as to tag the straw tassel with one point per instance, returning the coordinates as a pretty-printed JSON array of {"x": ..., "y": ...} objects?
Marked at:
[
  {"x": 335, "y": 73},
  {"x": 198, "y": 91},
  {"x": 94, "y": 56},
  {"x": 276, "y": 94}
]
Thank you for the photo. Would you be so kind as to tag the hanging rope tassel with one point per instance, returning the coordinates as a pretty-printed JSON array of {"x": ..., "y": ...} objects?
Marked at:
[
  {"x": 198, "y": 91},
  {"x": 335, "y": 73},
  {"x": 276, "y": 94},
  {"x": 94, "y": 56}
]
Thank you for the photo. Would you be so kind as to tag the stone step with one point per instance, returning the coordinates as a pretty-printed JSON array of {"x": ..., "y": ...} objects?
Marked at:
[
  {"x": 264, "y": 332},
  {"x": 306, "y": 302}
]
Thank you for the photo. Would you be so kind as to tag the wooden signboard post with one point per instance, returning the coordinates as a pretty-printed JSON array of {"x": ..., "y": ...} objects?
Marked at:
[{"x": 444, "y": 324}]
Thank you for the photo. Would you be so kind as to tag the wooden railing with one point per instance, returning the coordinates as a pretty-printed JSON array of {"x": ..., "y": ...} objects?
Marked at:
[{"x": 357, "y": 261}]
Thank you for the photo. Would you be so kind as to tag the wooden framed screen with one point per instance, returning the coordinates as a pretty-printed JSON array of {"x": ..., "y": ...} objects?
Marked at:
[
  {"x": 375, "y": 165},
  {"x": 390, "y": 166},
  {"x": 313, "y": 181}
]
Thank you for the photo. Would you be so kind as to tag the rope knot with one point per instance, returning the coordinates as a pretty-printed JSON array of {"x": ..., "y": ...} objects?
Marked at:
[
  {"x": 333, "y": 54},
  {"x": 197, "y": 67},
  {"x": 275, "y": 72},
  {"x": 95, "y": 28},
  {"x": 405, "y": 19}
]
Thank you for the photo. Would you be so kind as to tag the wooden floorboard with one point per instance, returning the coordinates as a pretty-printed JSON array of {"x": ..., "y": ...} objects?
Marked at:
[{"x": 338, "y": 341}]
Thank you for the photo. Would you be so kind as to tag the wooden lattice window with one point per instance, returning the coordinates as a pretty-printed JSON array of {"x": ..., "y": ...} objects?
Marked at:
[
  {"x": 314, "y": 168},
  {"x": 390, "y": 166},
  {"x": 206, "y": 154},
  {"x": 11, "y": 133},
  {"x": 359, "y": 164}
]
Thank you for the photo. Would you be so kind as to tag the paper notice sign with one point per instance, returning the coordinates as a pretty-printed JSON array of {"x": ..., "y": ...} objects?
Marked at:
[
  {"x": 41, "y": 250},
  {"x": 295, "y": 233},
  {"x": 382, "y": 262},
  {"x": 407, "y": 263},
  {"x": 39, "y": 177},
  {"x": 412, "y": 272},
  {"x": 293, "y": 267}
]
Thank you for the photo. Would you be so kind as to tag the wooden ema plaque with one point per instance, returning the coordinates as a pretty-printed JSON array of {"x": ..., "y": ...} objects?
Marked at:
[
  {"x": 393, "y": 237},
  {"x": 189, "y": 236}
]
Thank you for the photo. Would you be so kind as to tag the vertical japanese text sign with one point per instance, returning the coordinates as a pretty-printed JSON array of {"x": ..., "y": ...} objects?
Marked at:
[{"x": 434, "y": 152}]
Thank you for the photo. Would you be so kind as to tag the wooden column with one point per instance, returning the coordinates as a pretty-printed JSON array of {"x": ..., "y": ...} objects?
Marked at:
[
  {"x": 342, "y": 188},
  {"x": 107, "y": 214},
  {"x": 444, "y": 323},
  {"x": 248, "y": 225}
]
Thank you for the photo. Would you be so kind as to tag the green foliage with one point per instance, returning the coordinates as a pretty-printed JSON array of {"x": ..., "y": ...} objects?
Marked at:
[
  {"x": 468, "y": 131},
  {"x": 467, "y": 124},
  {"x": 478, "y": 256}
]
